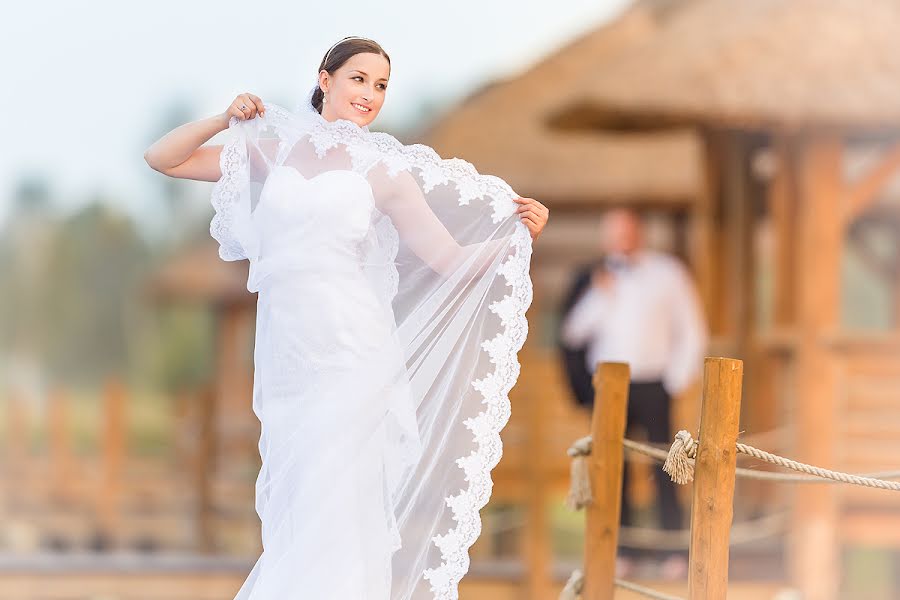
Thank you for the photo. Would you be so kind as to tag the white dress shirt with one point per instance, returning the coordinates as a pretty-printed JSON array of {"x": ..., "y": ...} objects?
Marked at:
[{"x": 649, "y": 317}]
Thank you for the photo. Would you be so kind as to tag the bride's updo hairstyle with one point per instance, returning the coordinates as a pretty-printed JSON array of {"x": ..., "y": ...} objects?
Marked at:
[{"x": 340, "y": 53}]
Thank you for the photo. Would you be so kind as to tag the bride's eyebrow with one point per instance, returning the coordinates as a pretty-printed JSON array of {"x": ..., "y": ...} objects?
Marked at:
[{"x": 366, "y": 74}]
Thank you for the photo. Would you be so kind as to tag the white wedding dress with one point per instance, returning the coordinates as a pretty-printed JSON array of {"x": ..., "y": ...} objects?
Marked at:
[{"x": 385, "y": 347}]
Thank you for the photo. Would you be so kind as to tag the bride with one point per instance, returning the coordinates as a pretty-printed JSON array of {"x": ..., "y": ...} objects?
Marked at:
[{"x": 392, "y": 289}]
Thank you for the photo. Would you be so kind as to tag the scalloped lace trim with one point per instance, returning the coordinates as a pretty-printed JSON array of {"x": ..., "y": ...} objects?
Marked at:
[
  {"x": 503, "y": 348},
  {"x": 224, "y": 198}
]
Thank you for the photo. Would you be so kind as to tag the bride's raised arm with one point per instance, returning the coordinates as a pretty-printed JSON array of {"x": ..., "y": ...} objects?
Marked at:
[{"x": 402, "y": 199}]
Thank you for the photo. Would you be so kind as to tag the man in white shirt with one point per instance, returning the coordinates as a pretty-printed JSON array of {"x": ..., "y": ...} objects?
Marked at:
[{"x": 641, "y": 307}]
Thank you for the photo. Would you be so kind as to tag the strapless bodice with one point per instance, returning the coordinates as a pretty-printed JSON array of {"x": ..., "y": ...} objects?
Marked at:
[{"x": 311, "y": 223}]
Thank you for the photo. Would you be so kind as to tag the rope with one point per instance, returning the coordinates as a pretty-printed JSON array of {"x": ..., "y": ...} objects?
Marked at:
[
  {"x": 575, "y": 586},
  {"x": 580, "y": 487},
  {"x": 650, "y": 593},
  {"x": 744, "y": 532},
  {"x": 773, "y": 437},
  {"x": 681, "y": 469},
  {"x": 662, "y": 455}
]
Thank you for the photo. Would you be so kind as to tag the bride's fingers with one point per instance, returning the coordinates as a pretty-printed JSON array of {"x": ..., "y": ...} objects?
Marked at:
[
  {"x": 247, "y": 101},
  {"x": 531, "y": 222},
  {"x": 259, "y": 104},
  {"x": 240, "y": 113},
  {"x": 538, "y": 217},
  {"x": 530, "y": 203},
  {"x": 534, "y": 229},
  {"x": 524, "y": 207},
  {"x": 235, "y": 111}
]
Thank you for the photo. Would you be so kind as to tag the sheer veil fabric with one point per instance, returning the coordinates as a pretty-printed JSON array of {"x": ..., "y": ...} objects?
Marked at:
[{"x": 393, "y": 286}]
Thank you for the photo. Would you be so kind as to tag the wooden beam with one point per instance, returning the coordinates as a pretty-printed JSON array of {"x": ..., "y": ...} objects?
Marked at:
[
  {"x": 864, "y": 192},
  {"x": 703, "y": 247},
  {"x": 782, "y": 210},
  {"x": 736, "y": 242},
  {"x": 871, "y": 528},
  {"x": 815, "y": 546},
  {"x": 537, "y": 533}
]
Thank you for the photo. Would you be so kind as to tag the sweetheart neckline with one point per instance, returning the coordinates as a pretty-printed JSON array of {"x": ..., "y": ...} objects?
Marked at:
[{"x": 317, "y": 175}]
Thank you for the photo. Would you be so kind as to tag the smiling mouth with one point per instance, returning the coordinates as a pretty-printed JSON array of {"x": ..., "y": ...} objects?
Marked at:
[{"x": 360, "y": 107}]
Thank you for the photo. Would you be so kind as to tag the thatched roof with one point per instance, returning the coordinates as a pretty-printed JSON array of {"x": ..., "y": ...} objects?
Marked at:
[
  {"x": 759, "y": 63},
  {"x": 197, "y": 274},
  {"x": 506, "y": 129}
]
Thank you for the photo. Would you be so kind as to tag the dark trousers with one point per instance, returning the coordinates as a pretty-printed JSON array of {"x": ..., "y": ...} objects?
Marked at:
[{"x": 650, "y": 407}]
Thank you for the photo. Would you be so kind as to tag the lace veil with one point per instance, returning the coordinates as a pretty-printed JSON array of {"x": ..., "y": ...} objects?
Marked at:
[{"x": 449, "y": 258}]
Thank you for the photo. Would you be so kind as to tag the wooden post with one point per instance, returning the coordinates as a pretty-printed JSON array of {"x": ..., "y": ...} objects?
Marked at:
[
  {"x": 538, "y": 543},
  {"x": 783, "y": 211},
  {"x": 713, "y": 503},
  {"x": 110, "y": 489},
  {"x": 17, "y": 451},
  {"x": 204, "y": 466},
  {"x": 236, "y": 426},
  {"x": 61, "y": 453},
  {"x": 703, "y": 248},
  {"x": 815, "y": 543},
  {"x": 605, "y": 465},
  {"x": 17, "y": 430}
]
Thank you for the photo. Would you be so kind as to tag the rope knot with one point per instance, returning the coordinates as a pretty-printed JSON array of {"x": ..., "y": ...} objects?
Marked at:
[
  {"x": 580, "y": 484},
  {"x": 678, "y": 463},
  {"x": 581, "y": 447}
]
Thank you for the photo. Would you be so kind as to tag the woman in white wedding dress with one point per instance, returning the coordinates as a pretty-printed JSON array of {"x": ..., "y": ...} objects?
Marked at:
[{"x": 392, "y": 287}]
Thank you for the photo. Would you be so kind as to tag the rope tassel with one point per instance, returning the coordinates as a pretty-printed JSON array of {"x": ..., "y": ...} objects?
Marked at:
[
  {"x": 679, "y": 465},
  {"x": 580, "y": 478}
]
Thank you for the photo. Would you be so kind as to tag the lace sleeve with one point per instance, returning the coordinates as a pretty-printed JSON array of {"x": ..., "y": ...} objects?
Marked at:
[
  {"x": 244, "y": 162},
  {"x": 401, "y": 197},
  {"x": 226, "y": 195}
]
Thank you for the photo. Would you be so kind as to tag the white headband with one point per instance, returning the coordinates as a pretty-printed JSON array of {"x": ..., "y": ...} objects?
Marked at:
[{"x": 352, "y": 37}]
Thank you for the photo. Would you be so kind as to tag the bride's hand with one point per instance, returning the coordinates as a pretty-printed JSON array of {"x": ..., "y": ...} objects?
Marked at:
[
  {"x": 533, "y": 214},
  {"x": 245, "y": 106}
]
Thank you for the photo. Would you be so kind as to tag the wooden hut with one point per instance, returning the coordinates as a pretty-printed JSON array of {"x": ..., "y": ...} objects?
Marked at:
[
  {"x": 198, "y": 276},
  {"x": 511, "y": 128},
  {"x": 526, "y": 129},
  {"x": 798, "y": 108},
  {"x": 225, "y": 453}
]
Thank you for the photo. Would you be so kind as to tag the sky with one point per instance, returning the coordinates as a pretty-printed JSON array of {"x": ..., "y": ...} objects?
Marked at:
[{"x": 89, "y": 85}]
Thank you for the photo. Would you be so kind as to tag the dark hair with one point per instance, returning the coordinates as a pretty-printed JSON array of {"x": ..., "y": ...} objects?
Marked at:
[{"x": 341, "y": 53}]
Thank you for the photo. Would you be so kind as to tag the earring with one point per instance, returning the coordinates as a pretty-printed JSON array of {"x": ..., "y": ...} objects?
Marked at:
[{"x": 324, "y": 100}]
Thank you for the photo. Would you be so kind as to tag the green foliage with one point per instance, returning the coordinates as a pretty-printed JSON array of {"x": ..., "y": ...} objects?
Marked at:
[{"x": 71, "y": 299}]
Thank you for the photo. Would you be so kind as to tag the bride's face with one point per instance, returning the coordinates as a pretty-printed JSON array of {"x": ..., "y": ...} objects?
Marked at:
[{"x": 359, "y": 84}]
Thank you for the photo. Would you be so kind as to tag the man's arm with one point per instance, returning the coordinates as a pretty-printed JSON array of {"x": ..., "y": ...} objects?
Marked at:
[
  {"x": 585, "y": 320},
  {"x": 691, "y": 335}
]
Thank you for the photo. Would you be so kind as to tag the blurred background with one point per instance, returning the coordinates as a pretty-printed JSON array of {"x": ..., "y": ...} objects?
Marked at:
[{"x": 759, "y": 141}]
